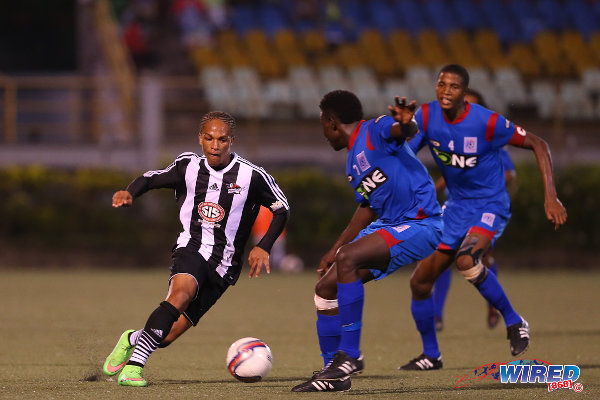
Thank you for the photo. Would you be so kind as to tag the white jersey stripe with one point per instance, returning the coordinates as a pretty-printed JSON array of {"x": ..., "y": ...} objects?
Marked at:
[
  {"x": 208, "y": 235},
  {"x": 185, "y": 213},
  {"x": 243, "y": 179}
]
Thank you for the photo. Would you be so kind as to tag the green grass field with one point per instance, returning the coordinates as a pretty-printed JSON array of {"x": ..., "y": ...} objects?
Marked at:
[{"x": 56, "y": 328}]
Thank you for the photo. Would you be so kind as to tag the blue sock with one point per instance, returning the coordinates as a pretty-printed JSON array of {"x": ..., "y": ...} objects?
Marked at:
[
  {"x": 491, "y": 289},
  {"x": 422, "y": 311},
  {"x": 329, "y": 331},
  {"x": 440, "y": 292},
  {"x": 351, "y": 297},
  {"x": 494, "y": 269}
]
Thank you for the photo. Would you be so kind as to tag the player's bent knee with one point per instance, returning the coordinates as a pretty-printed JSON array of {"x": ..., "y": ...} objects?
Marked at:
[
  {"x": 476, "y": 275},
  {"x": 325, "y": 304}
]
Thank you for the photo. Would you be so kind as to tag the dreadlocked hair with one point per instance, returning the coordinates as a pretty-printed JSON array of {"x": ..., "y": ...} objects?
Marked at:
[
  {"x": 220, "y": 115},
  {"x": 343, "y": 104}
]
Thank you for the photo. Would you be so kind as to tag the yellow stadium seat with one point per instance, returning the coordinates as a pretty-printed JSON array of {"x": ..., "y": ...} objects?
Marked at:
[
  {"x": 594, "y": 45},
  {"x": 577, "y": 51},
  {"x": 431, "y": 49},
  {"x": 404, "y": 53},
  {"x": 460, "y": 49},
  {"x": 545, "y": 45},
  {"x": 524, "y": 60}
]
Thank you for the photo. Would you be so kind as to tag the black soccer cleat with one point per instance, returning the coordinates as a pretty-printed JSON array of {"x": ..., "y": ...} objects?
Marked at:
[
  {"x": 518, "y": 334},
  {"x": 320, "y": 385},
  {"x": 342, "y": 365},
  {"x": 423, "y": 363}
]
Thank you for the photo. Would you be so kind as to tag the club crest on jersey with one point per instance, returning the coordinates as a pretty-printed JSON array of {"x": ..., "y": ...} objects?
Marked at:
[
  {"x": 211, "y": 212},
  {"x": 470, "y": 145},
  {"x": 488, "y": 219},
  {"x": 456, "y": 160},
  {"x": 371, "y": 182},
  {"x": 234, "y": 188},
  {"x": 363, "y": 163}
]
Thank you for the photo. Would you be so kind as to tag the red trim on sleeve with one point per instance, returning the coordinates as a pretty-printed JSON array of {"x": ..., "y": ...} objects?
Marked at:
[
  {"x": 369, "y": 144},
  {"x": 482, "y": 231},
  {"x": 518, "y": 136},
  {"x": 425, "y": 113},
  {"x": 354, "y": 135},
  {"x": 491, "y": 127},
  {"x": 443, "y": 246},
  {"x": 388, "y": 237},
  {"x": 421, "y": 214}
]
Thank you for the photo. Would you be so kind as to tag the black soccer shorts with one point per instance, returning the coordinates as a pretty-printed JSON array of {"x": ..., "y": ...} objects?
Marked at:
[{"x": 210, "y": 285}]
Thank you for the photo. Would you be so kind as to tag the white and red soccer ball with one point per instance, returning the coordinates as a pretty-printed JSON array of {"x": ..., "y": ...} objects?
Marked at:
[{"x": 249, "y": 359}]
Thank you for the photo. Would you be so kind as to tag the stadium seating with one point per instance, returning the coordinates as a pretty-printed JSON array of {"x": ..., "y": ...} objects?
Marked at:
[{"x": 521, "y": 52}]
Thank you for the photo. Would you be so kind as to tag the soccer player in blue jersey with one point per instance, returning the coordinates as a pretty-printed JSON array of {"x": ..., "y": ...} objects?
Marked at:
[
  {"x": 465, "y": 141},
  {"x": 397, "y": 222},
  {"x": 442, "y": 284}
]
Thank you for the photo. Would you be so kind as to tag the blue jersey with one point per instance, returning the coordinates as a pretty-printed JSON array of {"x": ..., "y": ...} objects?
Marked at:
[
  {"x": 467, "y": 150},
  {"x": 385, "y": 173}
]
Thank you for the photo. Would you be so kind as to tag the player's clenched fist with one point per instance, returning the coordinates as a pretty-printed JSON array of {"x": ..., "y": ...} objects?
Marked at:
[{"x": 122, "y": 198}]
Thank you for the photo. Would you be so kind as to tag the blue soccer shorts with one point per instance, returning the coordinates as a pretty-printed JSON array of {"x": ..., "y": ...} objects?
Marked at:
[
  {"x": 485, "y": 216},
  {"x": 408, "y": 241}
]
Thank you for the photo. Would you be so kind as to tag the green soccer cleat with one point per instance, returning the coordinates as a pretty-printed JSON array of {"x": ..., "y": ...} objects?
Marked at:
[
  {"x": 132, "y": 376},
  {"x": 119, "y": 356}
]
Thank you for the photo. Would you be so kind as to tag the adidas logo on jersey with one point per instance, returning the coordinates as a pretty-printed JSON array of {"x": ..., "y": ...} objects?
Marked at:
[{"x": 213, "y": 187}]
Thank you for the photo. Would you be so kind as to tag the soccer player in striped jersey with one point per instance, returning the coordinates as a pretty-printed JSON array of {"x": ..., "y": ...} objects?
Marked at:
[
  {"x": 218, "y": 195},
  {"x": 465, "y": 141},
  {"x": 397, "y": 222}
]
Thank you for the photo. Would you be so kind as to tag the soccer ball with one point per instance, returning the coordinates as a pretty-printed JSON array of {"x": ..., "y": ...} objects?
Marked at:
[{"x": 249, "y": 359}]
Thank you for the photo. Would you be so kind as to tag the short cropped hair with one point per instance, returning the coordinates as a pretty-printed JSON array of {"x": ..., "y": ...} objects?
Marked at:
[
  {"x": 477, "y": 95},
  {"x": 221, "y": 116},
  {"x": 458, "y": 70},
  {"x": 343, "y": 104}
]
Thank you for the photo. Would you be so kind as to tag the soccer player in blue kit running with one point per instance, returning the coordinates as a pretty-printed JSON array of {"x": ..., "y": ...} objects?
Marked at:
[
  {"x": 397, "y": 222},
  {"x": 442, "y": 284},
  {"x": 465, "y": 141}
]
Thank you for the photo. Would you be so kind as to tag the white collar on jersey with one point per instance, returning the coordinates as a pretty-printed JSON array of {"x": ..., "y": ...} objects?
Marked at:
[{"x": 222, "y": 171}]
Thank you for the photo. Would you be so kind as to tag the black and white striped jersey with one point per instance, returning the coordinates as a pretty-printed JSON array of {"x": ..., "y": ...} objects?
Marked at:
[{"x": 217, "y": 208}]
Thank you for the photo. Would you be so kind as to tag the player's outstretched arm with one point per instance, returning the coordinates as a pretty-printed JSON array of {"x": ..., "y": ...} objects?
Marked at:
[
  {"x": 122, "y": 198},
  {"x": 403, "y": 114},
  {"x": 362, "y": 217},
  {"x": 257, "y": 258},
  {"x": 555, "y": 211}
]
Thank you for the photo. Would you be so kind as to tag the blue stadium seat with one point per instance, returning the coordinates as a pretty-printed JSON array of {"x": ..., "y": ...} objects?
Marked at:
[
  {"x": 552, "y": 13},
  {"x": 469, "y": 14},
  {"x": 272, "y": 18},
  {"x": 500, "y": 19},
  {"x": 415, "y": 20},
  {"x": 243, "y": 18},
  {"x": 382, "y": 16},
  {"x": 354, "y": 11},
  {"x": 582, "y": 16},
  {"x": 442, "y": 16},
  {"x": 530, "y": 22}
]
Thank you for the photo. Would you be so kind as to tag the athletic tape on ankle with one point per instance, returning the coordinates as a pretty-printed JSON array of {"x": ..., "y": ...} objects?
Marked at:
[
  {"x": 471, "y": 274},
  {"x": 325, "y": 304}
]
